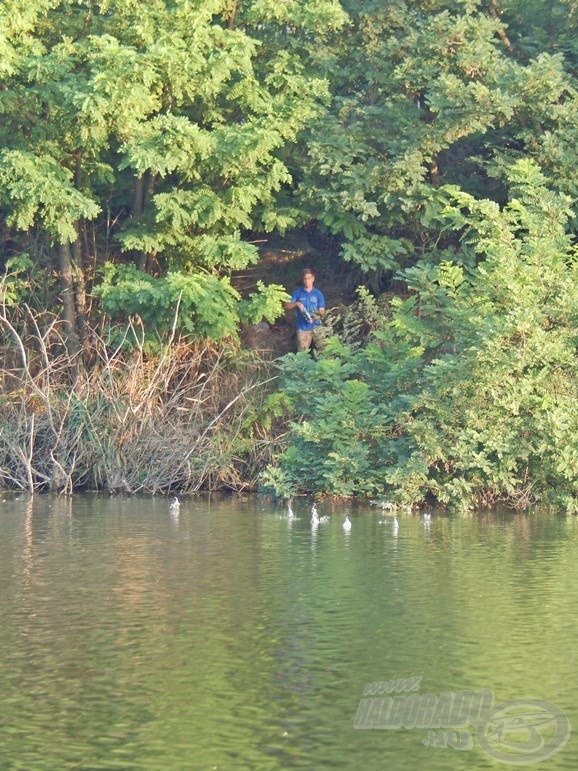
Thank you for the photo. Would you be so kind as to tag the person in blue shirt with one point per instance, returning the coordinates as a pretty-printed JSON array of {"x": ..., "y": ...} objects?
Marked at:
[{"x": 310, "y": 305}]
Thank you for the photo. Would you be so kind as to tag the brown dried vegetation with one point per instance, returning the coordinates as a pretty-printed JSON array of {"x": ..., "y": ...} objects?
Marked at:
[{"x": 189, "y": 418}]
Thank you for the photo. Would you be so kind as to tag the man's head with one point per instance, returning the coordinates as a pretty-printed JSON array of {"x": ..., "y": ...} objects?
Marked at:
[{"x": 308, "y": 278}]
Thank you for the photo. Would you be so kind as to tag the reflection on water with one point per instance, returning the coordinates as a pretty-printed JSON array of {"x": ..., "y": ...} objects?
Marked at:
[{"x": 223, "y": 635}]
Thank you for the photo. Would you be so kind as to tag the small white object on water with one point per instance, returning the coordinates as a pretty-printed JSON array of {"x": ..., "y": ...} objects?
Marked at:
[
  {"x": 347, "y": 524},
  {"x": 290, "y": 514},
  {"x": 314, "y": 516},
  {"x": 174, "y": 504},
  {"x": 427, "y": 516}
]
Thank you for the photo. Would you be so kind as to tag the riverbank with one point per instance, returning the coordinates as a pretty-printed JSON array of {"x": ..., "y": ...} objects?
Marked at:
[{"x": 190, "y": 418}]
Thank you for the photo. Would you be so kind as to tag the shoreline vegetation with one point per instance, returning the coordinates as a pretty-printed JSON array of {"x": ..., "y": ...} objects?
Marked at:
[
  {"x": 150, "y": 155},
  {"x": 185, "y": 419}
]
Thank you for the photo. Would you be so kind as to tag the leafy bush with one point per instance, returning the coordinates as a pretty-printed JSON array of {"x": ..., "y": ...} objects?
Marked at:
[
  {"x": 199, "y": 305},
  {"x": 468, "y": 394}
]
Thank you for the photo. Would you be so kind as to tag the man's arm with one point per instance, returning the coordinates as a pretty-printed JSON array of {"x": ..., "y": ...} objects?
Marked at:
[
  {"x": 321, "y": 309},
  {"x": 290, "y": 305},
  {"x": 294, "y": 304}
]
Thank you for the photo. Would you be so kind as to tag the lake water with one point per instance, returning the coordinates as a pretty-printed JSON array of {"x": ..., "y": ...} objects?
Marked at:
[{"x": 228, "y": 637}]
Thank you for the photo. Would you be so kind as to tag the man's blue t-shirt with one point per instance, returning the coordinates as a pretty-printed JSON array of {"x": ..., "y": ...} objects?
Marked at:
[{"x": 312, "y": 301}]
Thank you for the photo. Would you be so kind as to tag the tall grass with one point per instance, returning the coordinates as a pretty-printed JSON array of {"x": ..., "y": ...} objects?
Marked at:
[{"x": 188, "y": 418}]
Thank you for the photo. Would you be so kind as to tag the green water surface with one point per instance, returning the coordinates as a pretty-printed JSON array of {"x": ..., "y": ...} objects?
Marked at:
[{"x": 227, "y": 637}]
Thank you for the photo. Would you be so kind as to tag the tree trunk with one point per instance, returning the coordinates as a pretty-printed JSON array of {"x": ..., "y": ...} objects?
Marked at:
[
  {"x": 143, "y": 193},
  {"x": 231, "y": 20},
  {"x": 434, "y": 173},
  {"x": 138, "y": 200},
  {"x": 79, "y": 281},
  {"x": 495, "y": 12},
  {"x": 149, "y": 188},
  {"x": 68, "y": 305}
]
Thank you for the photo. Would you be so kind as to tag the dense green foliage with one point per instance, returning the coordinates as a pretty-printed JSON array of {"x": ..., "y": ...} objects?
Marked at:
[
  {"x": 144, "y": 146},
  {"x": 468, "y": 393},
  {"x": 163, "y": 124}
]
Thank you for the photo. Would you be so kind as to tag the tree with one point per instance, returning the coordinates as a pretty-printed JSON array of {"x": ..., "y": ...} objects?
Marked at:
[
  {"x": 157, "y": 118},
  {"x": 426, "y": 94}
]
